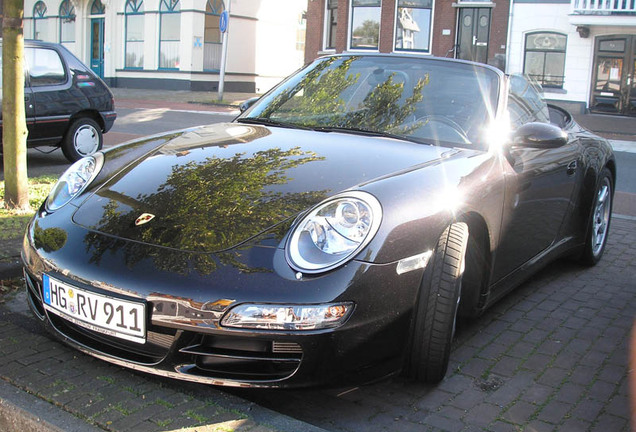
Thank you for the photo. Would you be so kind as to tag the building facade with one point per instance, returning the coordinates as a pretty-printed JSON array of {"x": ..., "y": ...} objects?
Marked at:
[
  {"x": 471, "y": 30},
  {"x": 583, "y": 52},
  {"x": 176, "y": 44}
]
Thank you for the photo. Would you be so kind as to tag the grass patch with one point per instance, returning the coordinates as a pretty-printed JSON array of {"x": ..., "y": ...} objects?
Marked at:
[{"x": 13, "y": 223}]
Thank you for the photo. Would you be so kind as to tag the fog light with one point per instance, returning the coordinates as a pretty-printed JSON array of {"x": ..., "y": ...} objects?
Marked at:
[{"x": 283, "y": 317}]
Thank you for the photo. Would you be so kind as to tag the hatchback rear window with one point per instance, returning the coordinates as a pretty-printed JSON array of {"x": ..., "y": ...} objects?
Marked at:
[{"x": 45, "y": 67}]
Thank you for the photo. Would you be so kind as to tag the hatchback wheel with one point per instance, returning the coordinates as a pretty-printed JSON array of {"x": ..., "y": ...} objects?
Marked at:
[{"x": 83, "y": 138}]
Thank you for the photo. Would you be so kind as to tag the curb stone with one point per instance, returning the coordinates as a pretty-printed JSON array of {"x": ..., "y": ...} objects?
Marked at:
[{"x": 21, "y": 411}]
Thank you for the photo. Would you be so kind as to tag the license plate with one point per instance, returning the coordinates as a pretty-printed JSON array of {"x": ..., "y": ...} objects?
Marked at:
[{"x": 104, "y": 314}]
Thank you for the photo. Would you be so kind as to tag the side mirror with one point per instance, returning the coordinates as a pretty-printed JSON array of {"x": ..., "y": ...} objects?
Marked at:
[
  {"x": 539, "y": 135},
  {"x": 248, "y": 103}
]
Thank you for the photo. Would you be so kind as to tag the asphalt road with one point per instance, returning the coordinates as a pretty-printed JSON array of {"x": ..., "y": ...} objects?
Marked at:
[{"x": 130, "y": 124}]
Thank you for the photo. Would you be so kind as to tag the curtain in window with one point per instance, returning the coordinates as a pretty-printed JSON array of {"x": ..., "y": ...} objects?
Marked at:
[
  {"x": 212, "y": 35},
  {"x": 170, "y": 34},
  {"x": 134, "y": 34}
]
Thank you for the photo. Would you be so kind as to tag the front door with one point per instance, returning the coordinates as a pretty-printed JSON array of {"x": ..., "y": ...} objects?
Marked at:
[
  {"x": 613, "y": 87},
  {"x": 97, "y": 46},
  {"x": 473, "y": 32}
]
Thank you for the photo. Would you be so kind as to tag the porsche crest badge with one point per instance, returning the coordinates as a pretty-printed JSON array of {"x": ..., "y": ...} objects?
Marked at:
[{"x": 144, "y": 218}]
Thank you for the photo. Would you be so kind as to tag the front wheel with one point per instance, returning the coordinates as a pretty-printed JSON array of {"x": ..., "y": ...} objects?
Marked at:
[
  {"x": 600, "y": 217},
  {"x": 438, "y": 302},
  {"x": 83, "y": 138}
]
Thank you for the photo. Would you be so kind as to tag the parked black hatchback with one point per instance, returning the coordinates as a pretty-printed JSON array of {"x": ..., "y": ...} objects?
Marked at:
[{"x": 66, "y": 104}]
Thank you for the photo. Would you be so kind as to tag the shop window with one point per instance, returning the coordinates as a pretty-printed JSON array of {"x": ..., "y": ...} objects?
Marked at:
[
  {"x": 134, "y": 50},
  {"x": 413, "y": 25},
  {"x": 544, "y": 59},
  {"x": 170, "y": 34},
  {"x": 365, "y": 24}
]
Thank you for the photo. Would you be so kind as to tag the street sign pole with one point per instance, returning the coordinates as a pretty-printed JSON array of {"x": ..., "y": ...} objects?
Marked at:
[{"x": 224, "y": 22}]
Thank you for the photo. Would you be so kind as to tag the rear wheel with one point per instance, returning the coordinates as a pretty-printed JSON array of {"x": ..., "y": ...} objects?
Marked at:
[
  {"x": 83, "y": 138},
  {"x": 600, "y": 217},
  {"x": 437, "y": 307}
]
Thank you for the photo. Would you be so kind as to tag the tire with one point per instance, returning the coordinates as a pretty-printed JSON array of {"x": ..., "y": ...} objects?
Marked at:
[
  {"x": 599, "y": 221},
  {"x": 437, "y": 307},
  {"x": 83, "y": 138}
]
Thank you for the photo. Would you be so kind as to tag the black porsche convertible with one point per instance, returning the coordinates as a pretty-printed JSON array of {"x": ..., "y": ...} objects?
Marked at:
[{"x": 334, "y": 231}]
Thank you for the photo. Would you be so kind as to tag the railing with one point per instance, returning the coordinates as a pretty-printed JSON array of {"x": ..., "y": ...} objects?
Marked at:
[{"x": 604, "y": 7}]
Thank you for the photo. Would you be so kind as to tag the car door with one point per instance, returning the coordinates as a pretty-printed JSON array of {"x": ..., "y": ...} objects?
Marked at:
[
  {"x": 51, "y": 92},
  {"x": 539, "y": 186}
]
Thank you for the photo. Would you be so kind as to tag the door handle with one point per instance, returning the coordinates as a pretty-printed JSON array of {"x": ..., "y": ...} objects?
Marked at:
[{"x": 572, "y": 166}]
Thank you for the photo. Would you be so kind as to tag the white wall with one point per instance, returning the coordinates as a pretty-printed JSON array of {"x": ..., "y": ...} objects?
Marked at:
[
  {"x": 261, "y": 44},
  {"x": 531, "y": 17},
  {"x": 579, "y": 56}
]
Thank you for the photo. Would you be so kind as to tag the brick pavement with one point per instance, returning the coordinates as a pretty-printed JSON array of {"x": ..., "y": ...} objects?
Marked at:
[{"x": 112, "y": 398}]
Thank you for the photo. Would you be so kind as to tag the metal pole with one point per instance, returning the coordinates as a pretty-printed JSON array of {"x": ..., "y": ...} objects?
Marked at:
[{"x": 224, "y": 52}]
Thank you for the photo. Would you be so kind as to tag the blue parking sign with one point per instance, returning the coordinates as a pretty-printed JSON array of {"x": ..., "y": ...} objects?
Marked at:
[{"x": 223, "y": 21}]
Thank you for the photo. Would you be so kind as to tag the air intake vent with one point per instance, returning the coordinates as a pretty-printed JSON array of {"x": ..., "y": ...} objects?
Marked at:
[{"x": 286, "y": 347}]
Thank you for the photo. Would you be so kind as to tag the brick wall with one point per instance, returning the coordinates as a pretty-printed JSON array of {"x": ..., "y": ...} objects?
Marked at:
[
  {"x": 315, "y": 27},
  {"x": 387, "y": 26},
  {"x": 444, "y": 18}
]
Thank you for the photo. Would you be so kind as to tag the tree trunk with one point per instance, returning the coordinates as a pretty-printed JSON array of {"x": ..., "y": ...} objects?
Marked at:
[{"x": 14, "y": 131}]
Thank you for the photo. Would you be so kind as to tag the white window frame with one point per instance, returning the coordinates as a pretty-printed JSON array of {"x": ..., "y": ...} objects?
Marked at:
[
  {"x": 350, "y": 31},
  {"x": 430, "y": 32}
]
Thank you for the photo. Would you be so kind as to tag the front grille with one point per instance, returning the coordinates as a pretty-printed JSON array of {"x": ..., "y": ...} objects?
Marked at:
[
  {"x": 240, "y": 358},
  {"x": 158, "y": 342}
]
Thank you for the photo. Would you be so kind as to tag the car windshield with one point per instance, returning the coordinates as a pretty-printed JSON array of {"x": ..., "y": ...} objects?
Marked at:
[{"x": 424, "y": 100}]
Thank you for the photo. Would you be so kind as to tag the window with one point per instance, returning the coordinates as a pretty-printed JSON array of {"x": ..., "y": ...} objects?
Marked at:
[
  {"x": 45, "y": 67},
  {"x": 365, "y": 24},
  {"x": 67, "y": 22},
  {"x": 134, "y": 50},
  {"x": 545, "y": 58},
  {"x": 301, "y": 33},
  {"x": 170, "y": 34},
  {"x": 98, "y": 8},
  {"x": 212, "y": 35},
  {"x": 40, "y": 22},
  {"x": 413, "y": 25},
  {"x": 331, "y": 22}
]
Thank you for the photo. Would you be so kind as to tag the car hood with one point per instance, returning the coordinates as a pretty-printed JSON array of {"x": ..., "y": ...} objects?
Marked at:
[{"x": 212, "y": 188}]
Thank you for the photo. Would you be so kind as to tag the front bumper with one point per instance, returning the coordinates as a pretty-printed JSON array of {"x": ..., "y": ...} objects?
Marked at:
[{"x": 184, "y": 338}]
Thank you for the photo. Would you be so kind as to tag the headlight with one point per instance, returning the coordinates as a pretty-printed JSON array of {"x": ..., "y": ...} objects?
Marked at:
[
  {"x": 291, "y": 318},
  {"x": 74, "y": 181},
  {"x": 333, "y": 232}
]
